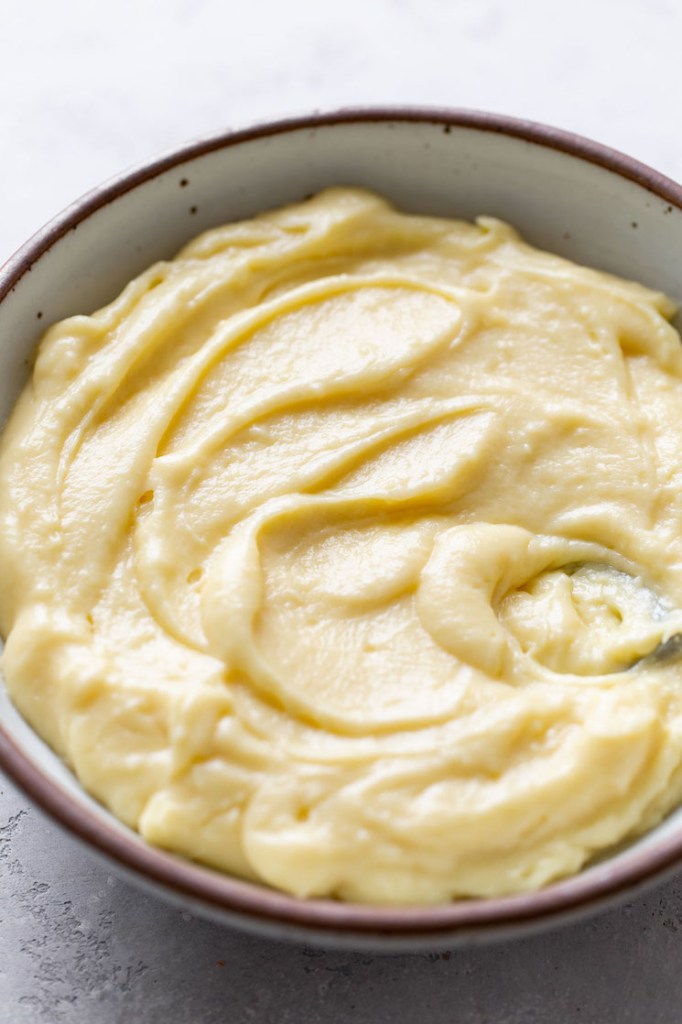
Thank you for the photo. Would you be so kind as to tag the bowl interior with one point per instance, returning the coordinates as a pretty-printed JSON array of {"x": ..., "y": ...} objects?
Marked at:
[{"x": 437, "y": 164}]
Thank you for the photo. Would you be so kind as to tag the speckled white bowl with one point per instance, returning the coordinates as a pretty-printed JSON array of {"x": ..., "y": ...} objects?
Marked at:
[{"x": 564, "y": 193}]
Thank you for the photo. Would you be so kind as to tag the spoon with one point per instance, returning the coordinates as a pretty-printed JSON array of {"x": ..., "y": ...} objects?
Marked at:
[
  {"x": 634, "y": 596},
  {"x": 665, "y": 651}
]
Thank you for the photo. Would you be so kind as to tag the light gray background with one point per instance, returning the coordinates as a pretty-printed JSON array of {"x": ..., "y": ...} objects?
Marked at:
[{"x": 88, "y": 89}]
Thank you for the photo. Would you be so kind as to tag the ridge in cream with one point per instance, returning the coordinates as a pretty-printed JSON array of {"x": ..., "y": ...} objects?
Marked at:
[{"x": 328, "y": 549}]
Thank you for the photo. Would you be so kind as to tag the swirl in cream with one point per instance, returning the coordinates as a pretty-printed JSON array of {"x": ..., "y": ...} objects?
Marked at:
[{"x": 327, "y": 547}]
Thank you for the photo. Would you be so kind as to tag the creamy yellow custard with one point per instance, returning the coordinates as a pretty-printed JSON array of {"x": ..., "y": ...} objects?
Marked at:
[{"x": 334, "y": 552}]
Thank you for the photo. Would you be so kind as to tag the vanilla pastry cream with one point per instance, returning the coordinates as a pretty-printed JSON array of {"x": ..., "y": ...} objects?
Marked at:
[{"x": 335, "y": 553}]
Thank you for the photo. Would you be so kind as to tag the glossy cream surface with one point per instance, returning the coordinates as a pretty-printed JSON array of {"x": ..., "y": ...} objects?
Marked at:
[{"x": 335, "y": 550}]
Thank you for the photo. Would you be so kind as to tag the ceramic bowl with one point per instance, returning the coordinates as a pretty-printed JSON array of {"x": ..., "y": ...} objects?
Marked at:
[{"x": 564, "y": 193}]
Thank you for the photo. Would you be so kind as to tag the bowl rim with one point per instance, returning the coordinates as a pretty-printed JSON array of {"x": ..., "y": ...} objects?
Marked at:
[{"x": 249, "y": 901}]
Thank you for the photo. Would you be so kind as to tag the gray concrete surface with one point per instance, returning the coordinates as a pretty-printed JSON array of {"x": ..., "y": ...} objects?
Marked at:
[
  {"x": 88, "y": 89},
  {"x": 79, "y": 945}
]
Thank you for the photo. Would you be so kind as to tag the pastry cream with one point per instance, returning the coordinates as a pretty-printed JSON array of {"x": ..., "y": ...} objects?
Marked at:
[{"x": 334, "y": 552}]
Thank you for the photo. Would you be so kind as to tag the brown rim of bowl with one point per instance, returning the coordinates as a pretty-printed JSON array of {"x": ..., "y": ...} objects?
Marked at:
[{"x": 243, "y": 899}]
